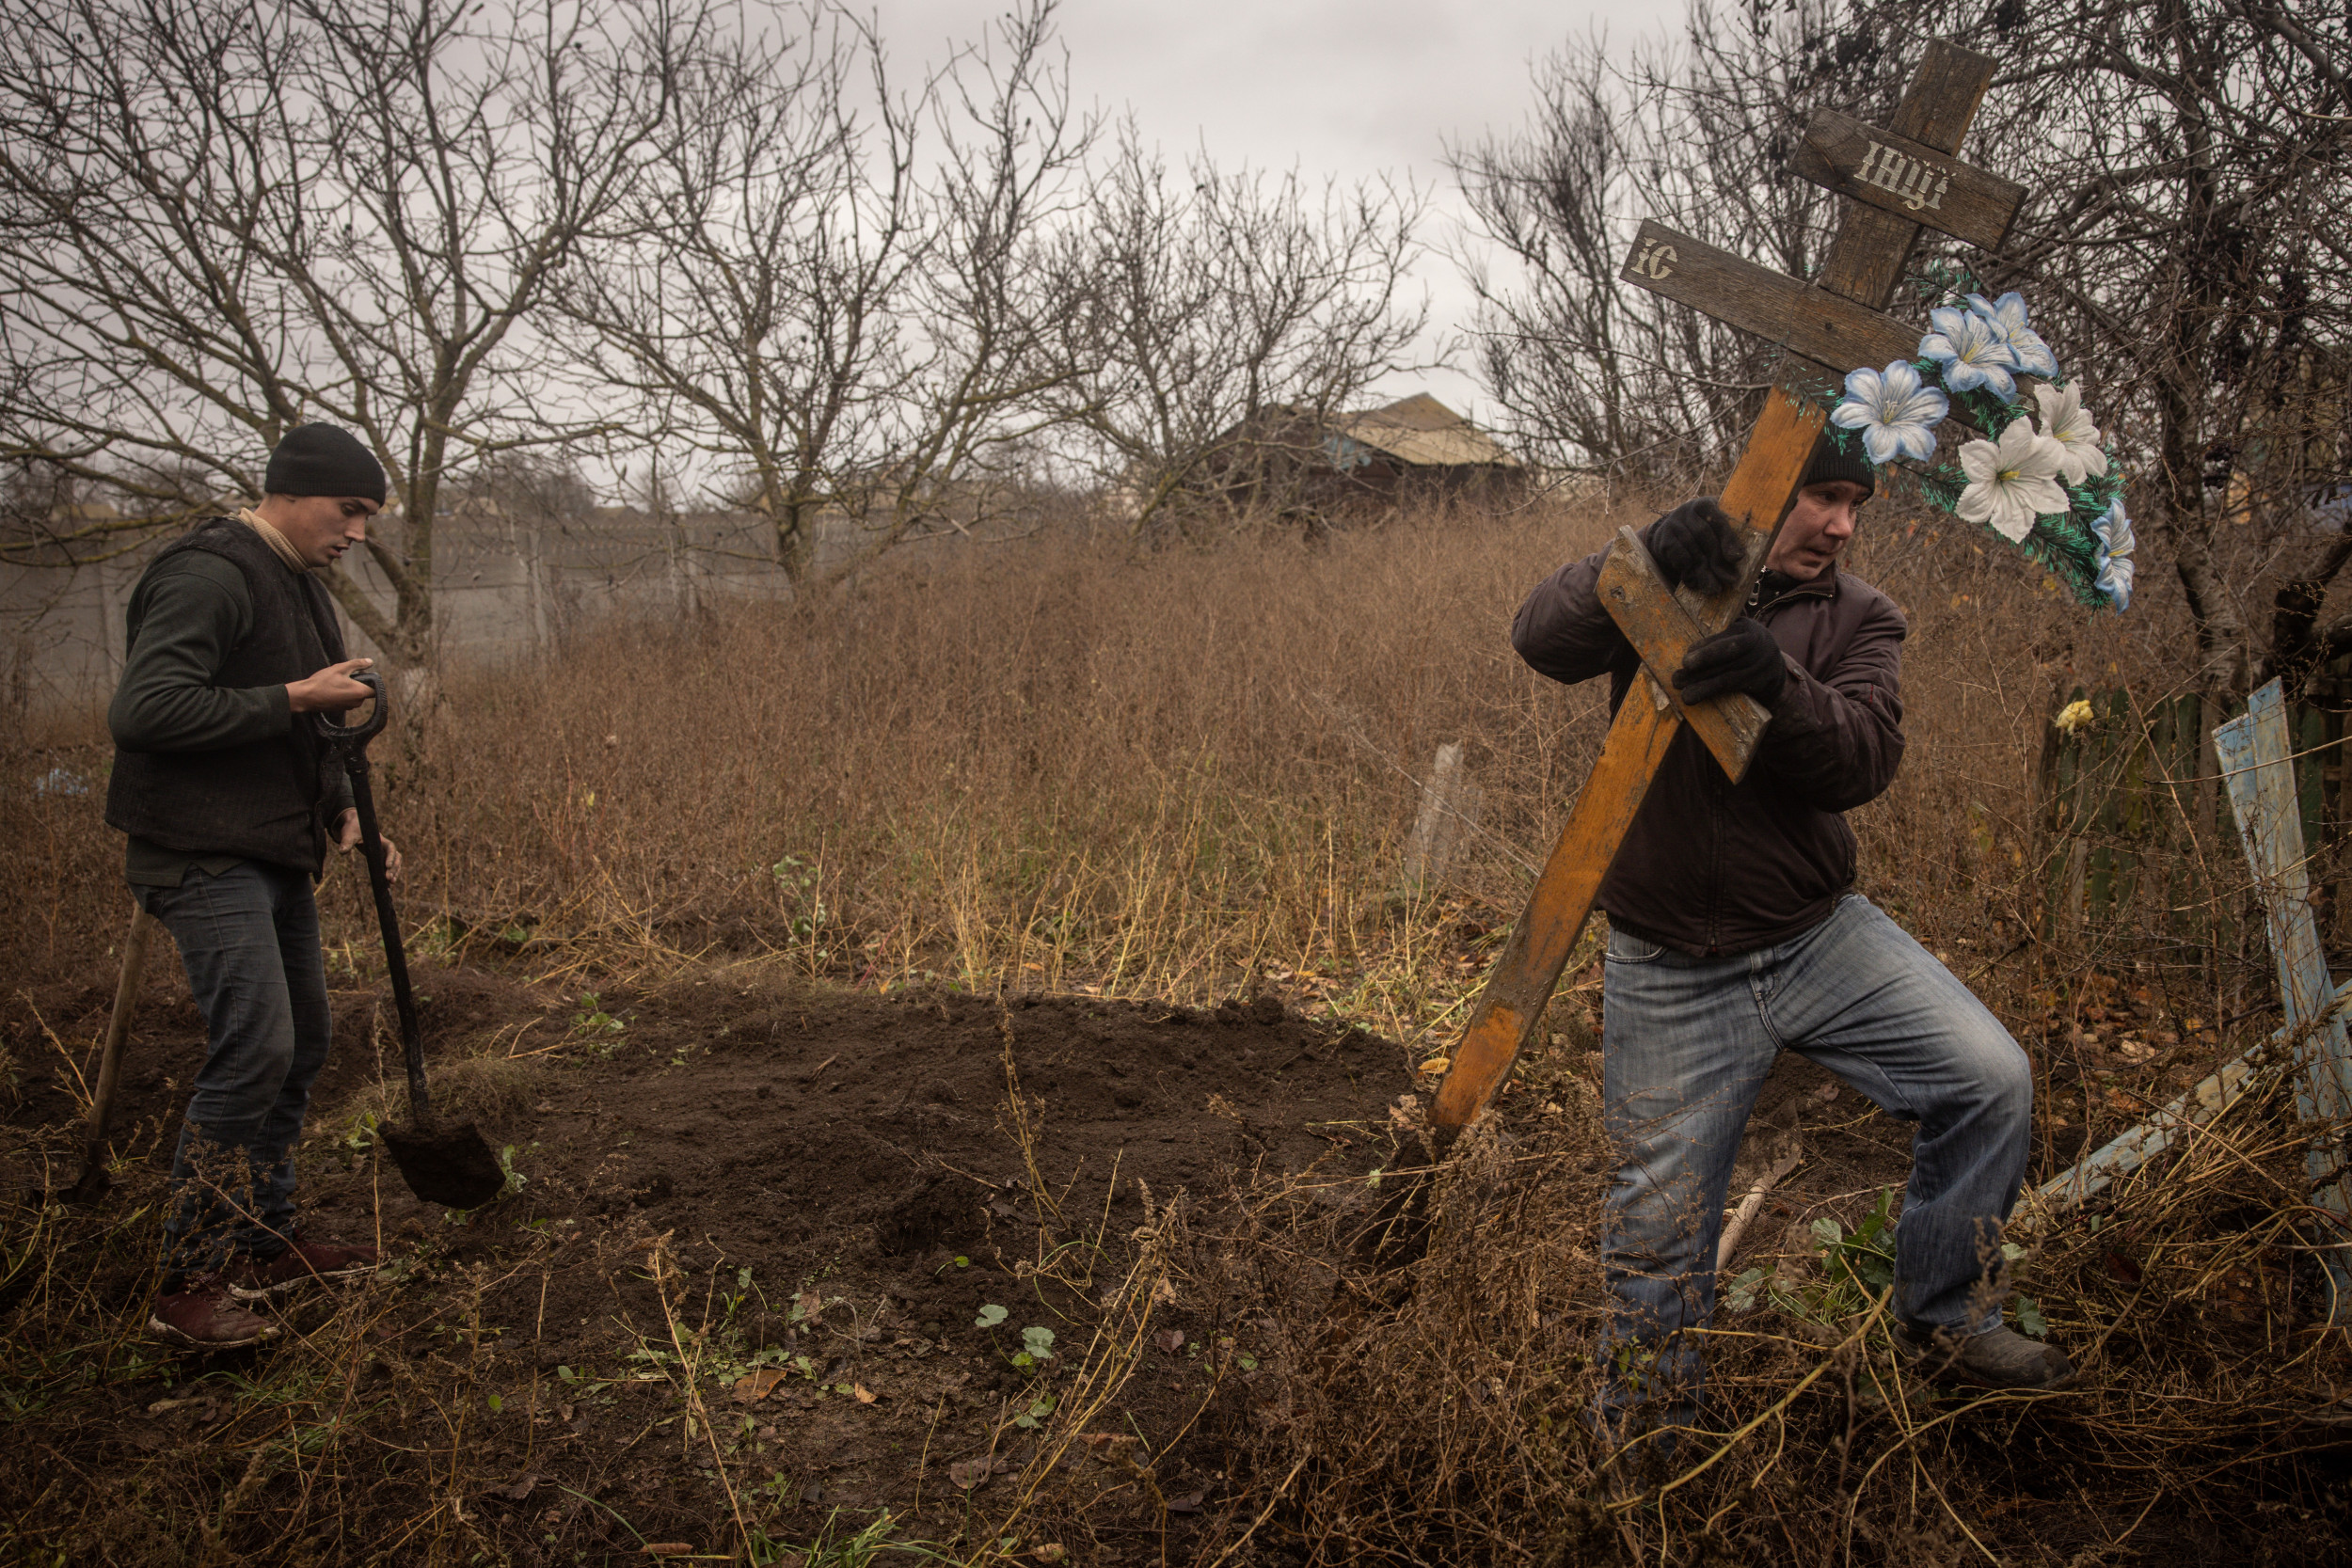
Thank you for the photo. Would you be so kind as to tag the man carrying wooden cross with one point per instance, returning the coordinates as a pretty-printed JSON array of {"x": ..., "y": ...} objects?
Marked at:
[
  {"x": 1735, "y": 932},
  {"x": 1757, "y": 699}
]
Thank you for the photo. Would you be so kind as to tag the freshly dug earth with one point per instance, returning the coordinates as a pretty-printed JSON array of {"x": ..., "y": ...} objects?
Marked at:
[
  {"x": 837, "y": 1188},
  {"x": 862, "y": 1211}
]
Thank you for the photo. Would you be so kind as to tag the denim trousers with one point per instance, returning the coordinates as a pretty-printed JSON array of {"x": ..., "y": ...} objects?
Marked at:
[
  {"x": 249, "y": 940},
  {"x": 1686, "y": 1045}
]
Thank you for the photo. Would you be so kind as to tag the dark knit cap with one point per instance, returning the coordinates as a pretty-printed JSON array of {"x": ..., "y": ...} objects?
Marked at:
[
  {"x": 323, "y": 460},
  {"x": 1832, "y": 461}
]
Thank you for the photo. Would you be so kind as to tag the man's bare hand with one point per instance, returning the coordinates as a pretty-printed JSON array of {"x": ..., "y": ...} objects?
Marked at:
[
  {"x": 348, "y": 838},
  {"x": 331, "y": 690}
]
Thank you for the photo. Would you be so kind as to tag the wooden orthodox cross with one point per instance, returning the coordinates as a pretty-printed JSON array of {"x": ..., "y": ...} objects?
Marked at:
[{"x": 1898, "y": 180}]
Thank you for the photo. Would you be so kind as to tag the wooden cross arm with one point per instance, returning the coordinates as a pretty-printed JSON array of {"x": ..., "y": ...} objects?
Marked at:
[
  {"x": 1662, "y": 629},
  {"x": 1908, "y": 179},
  {"x": 1803, "y": 318}
]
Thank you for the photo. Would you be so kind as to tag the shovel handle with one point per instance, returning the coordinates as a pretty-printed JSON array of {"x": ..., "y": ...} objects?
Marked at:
[
  {"x": 351, "y": 741},
  {"x": 332, "y": 729}
]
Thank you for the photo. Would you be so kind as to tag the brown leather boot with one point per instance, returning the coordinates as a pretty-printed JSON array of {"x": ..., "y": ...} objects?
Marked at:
[
  {"x": 301, "y": 1262},
  {"x": 203, "y": 1315},
  {"x": 2002, "y": 1358}
]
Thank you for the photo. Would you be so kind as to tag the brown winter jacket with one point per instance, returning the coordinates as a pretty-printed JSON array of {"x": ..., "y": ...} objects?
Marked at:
[{"x": 1709, "y": 866}]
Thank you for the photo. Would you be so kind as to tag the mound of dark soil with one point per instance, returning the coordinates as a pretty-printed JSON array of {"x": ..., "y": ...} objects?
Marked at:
[
  {"x": 865, "y": 1207},
  {"x": 773, "y": 1249}
]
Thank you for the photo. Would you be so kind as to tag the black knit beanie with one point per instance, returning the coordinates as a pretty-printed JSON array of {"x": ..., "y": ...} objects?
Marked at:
[
  {"x": 323, "y": 460},
  {"x": 1833, "y": 461}
]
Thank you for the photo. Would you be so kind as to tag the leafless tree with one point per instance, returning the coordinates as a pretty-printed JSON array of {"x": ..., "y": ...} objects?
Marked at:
[
  {"x": 219, "y": 220},
  {"x": 1210, "y": 312},
  {"x": 826, "y": 289},
  {"x": 2187, "y": 247},
  {"x": 1595, "y": 377}
]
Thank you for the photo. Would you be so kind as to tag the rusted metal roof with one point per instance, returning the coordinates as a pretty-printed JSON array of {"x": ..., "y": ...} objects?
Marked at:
[{"x": 1424, "y": 432}]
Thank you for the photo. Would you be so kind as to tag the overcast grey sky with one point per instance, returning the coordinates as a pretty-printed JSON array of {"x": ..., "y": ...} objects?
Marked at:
[{"x": 1352, "y": 89}]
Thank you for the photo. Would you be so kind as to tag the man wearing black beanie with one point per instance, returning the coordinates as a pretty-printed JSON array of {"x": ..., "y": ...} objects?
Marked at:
[
  {"x": 228, "y": 803},
  {"x": 1735, "y": 931}
]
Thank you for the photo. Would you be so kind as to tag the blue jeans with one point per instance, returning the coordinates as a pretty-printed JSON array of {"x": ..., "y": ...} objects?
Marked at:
[
  {"x": 249, "y": 940},
  {"x": 1687, "y": 1043}
]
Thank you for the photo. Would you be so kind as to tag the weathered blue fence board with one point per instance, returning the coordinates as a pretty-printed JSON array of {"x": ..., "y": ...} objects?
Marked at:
[
  {"x": 2257, "y": 765},
  {"x": 2170, "y": 1127}
]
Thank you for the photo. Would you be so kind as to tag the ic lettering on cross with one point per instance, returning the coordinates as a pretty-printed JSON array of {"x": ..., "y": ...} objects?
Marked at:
[{"x": 1899, "y": 178}]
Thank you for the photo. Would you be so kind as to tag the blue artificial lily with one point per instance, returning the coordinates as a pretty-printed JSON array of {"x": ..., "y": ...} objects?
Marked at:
[
  {"x": 1894, "y": 410},
  {"x": 1971, "y": 351}
]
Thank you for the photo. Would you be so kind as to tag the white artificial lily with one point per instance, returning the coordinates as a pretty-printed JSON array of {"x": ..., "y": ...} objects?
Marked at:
[
  {"x": 2064, "y": 421},
  {"x": 2115, "y": 545},
  {"x": 1895, "y": 411},
  {"x": 2033, "y": 355},
  {"x": 2014, "y": 482},
  {"x": 1971, "y": 351}
]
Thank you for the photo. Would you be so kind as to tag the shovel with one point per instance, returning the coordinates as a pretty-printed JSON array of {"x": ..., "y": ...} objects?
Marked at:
[{"x": 448, "y": 1166}]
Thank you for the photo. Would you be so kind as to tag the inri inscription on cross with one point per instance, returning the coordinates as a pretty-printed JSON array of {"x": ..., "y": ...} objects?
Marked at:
[{"x": 1898, "y": 180}]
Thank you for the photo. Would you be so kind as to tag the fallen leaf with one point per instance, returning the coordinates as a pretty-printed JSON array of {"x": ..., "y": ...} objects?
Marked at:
[
  {"x": 521, "y": 1491},
  {"x": 758, "y": 1384},
  {"x": 1188, "y": 1503},
  {"x": 863, "y": 1397},
  {"x": 969, "y": 1473},
  {"x": 2121, "y": 1268},
  {"x": 1169, "y": 1339},
  {"x": 811, "y": 1305},
  {"x": 1436, "y": 1064},
  {"x": 1051, "y": 1552}
]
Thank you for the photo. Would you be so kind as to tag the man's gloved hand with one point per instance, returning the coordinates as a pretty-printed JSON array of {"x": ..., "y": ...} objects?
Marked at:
[
  {"x": 1695, "y": 545},
  {"x": 1741, "y": 658}
]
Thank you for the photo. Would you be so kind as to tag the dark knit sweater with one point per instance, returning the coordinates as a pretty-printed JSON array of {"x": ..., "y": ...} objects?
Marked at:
[{"x": 193, "y": 616}]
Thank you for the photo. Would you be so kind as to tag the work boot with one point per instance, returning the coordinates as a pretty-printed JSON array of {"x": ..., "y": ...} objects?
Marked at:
[
  {"x": 203, "y": 1315},
  {"x": 251, "y": 1279},
  {"x": 2000, "y": 1358}
]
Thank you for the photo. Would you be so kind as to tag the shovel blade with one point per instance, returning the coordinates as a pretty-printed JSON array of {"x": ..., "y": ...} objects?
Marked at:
[{"x": 448, "y": 1166}]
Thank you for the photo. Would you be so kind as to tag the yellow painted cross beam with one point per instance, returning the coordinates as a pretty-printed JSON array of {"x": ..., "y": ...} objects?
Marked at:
[{"x": 1841, "y": 309}]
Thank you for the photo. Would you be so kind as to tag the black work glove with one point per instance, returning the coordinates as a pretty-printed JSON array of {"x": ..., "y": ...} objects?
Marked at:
[
  {"x": 1695, "y": 545},
  {"x": 1741, "y": 658}
]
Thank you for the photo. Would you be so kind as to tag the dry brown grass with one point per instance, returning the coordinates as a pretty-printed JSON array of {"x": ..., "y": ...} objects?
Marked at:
[{"x": 1070, "y": 761}]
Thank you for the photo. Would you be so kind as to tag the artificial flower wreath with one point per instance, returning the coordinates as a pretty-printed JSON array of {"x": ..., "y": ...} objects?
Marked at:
[{"x": 2051, "y": 491}]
